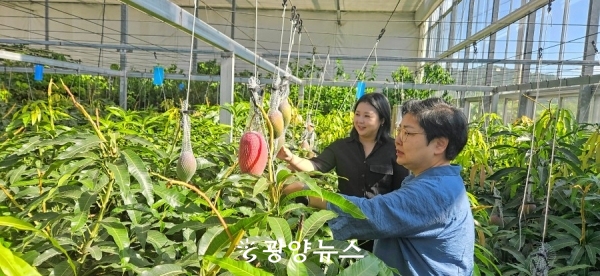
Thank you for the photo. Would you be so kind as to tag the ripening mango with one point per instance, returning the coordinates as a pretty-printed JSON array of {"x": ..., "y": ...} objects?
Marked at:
[
  {"x": 276, "y": 119},
  {"x": 286, "y": 110},
  {"x": 253, "y": 153}
]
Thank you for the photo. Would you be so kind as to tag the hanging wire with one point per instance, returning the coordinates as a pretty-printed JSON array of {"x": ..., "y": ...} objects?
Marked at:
[
  {"x": 295, "y": 23},
  {"x": 255, "y": 36},
  {"x": 373, "y": 50},
  {"x": 102, "y": 33},
  {"x": 187, "y": 96},
  {"x": 284, "y": 4},
  {"x": 526, "y": 192}
]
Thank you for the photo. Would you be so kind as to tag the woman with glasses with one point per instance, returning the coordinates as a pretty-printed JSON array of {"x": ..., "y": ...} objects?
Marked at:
[
  {"x": 366, "y": 160},
  {"x": 426, "y": 227}
]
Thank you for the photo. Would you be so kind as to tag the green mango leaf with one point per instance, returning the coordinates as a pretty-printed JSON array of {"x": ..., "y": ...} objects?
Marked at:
[
  {"x": 72, "y": 169},
  {"x": 575, "y": 166},
  {"x": 208, "y": 238},
  {"x": 282, "y": 174},
  {"x": 12, "y": 265},
  {"x": 95, "y": 252},
  {"x": 333, "y": 198},
  {"x": 78, "y": 221},
  {"x": 566, "y": 225},
  {"x": 305, "y": 178},
  {"x": 164, "y": 270},
  {"x": 504, "y": 172},
  {"x": 237, "y": 268},
  {"x": 564, "y": 269},
  {"x": 516, "y": 254},
  {"x": 369, "y": 265},
  {"x": 591, "y": 253},
  {"x": 147, "y": 144},
  {"x": 193, "y": 225},
  {"x": 32, "y": 144},
  {"x": 16, "y": 174},
  {"x": 62, "y": 269},
  {"x": 281, "y": 229},
  {"x": 53, "y": 167},
  {"x": 315, "y": 222},
  {"x": 576, "y": 255},
  {"x": 45, "y": 256},
  {"x": 85, "y": 202},
  {"x": 80, "y": 146},
  {"x": 137, "y": 168},
  {"x": 260, "y": 186},
  {"x": 313, "y": 269},
  {"x": 117, "y": 231},
  {"x": 569, "y": 155},
  {"x": 17, "y": 223},
  {"x": 173, "y": 197},
  {"x": 294, "y": 268},
  {"x": 122, "y": 179},
  {"x": 566, "y": 241},
  {"x": 23, "y": 225},
  {"x": 222, "y": 240},
  {"x": 157, "y": 239},
  {"x": 203, "y": 163},
  {"x": 291, "y": 207}
]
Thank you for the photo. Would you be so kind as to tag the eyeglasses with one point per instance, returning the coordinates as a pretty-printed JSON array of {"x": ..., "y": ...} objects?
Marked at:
[{"x": 404, "y": 134}]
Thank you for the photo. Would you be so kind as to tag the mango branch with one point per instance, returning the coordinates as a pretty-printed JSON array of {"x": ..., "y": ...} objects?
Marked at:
[
  {"x": 12, "y": 108},
  {"x": 271, "y": 138},
  {"x": 105, "y": 201},
  {"x": 84, "y": 112},
  {"x": 10, "y": 197},
  {"x": 230, "y": 250},
  {"x": 271, "y": 145},
  {"x": 201, "y": 194}
]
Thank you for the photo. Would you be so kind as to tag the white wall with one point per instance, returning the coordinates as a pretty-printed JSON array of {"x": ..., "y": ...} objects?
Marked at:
[{"x": 355, "y": 37}]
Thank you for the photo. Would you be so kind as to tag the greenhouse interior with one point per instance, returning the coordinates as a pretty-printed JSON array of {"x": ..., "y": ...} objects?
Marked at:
[{"x": 158, "y": 137}]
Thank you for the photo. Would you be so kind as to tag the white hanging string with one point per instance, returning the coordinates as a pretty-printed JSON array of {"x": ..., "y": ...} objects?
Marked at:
[
  {"x": 526, "y": 194},
  {"x": 281, "y": 39},
  {"x": 256, "y": 37},
  {"x": 187, "y": 96}
]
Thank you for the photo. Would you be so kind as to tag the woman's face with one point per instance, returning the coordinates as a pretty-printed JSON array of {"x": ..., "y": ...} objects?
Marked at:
[{"x": 366, "y": 121}]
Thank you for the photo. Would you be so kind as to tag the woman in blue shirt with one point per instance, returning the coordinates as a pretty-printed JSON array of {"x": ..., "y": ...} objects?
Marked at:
[{"x": 426, "y": 227}]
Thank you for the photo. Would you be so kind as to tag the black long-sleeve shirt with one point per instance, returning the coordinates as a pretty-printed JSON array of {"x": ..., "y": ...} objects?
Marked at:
[{"x": 366, "y": 176}]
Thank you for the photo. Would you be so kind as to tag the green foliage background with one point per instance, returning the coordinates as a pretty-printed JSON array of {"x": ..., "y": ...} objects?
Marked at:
[{"x": 90, "y": 189}]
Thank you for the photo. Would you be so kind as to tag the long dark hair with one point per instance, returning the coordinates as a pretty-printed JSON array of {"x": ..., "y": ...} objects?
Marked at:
[{"x": 384, "y": 111}]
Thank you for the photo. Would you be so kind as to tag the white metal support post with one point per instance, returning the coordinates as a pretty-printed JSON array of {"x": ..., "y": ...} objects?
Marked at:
[
  {"x": 226, "y": 90},
  {"x": 465, "y": 72},
  {"x": 47, "y": 23},
  {"x": 586, "y": 93},
  {"x": 123, "y": 59},
  {"x": 525, "y": 105},
  {"x": 490, "y": 101}
]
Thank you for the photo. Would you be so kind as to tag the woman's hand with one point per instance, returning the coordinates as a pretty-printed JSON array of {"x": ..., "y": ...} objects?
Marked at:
[
  {"x": 285, "y": 154},
  {"x": 292, "y": 187}
]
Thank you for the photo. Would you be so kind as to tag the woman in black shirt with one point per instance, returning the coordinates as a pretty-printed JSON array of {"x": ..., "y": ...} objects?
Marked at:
[{"x": 366, "y": 160}]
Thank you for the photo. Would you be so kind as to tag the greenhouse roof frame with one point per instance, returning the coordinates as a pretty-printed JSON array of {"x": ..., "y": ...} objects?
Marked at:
[
  {"x": 131, "y": 48},
  {"x": 178, "y": 17}
]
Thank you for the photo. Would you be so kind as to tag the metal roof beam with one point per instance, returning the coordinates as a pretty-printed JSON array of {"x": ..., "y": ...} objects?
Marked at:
[
  {"x": 57, "y": 63},
  {"x": 583, "y": 80},
  {"x": 512, "y": 17},
  {"x": 176, "y": 16}
]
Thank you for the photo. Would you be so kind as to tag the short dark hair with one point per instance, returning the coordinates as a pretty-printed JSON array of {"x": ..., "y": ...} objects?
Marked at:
[
  {"x": 384, "y": 111},
  {"x": 440, "y": 119}
]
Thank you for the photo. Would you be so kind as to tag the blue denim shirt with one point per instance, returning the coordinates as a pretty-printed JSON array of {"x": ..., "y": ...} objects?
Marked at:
[{"x": 424, "y": 228}]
